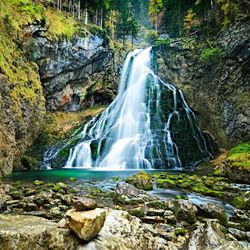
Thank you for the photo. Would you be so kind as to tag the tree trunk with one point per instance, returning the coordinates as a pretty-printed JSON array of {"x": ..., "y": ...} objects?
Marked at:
[
  {"x": 101, "y": 18},
  {"x": 79, "y": 10},
  {"x": 86, "y": 13}
]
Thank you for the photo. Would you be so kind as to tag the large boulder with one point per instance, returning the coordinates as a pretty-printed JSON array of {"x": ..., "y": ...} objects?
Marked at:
[
  {"x": 122, "y": 231},
  {"x": 141, "y": 180},
  {"x": 127, "y": 193},
  {"x": 82, "y": 204},
  {"x": 210, "y": 235},
  {"x": 185, "y": 211},
  {"x": 86, "y": 224},
  {"x": 209, "y": 210},
  {"x": 32, "y": 232}
]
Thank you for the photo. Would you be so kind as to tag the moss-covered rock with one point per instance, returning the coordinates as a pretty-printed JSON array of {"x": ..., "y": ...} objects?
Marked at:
[{"x": 141, "y": 180}]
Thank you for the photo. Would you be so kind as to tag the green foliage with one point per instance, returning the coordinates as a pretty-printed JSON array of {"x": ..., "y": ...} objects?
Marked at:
[
  {"x": 60, "y": 25},
  {"x": 151, "y": 36},
  {"x": 211, "y": 55},
  {"x": 163, "y": 41},
  {"x": 241, "y": 148},
  {"x": 155, "y": 7},
  {"x": 239, "y": 156}
]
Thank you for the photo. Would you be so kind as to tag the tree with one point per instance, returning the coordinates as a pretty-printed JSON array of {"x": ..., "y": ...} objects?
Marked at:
[{"x": 155, "y": 7}]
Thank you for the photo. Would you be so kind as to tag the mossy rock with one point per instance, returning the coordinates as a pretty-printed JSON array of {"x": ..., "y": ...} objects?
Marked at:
[
  {"x": 141, "y": 180},
  {"x": 38, "y": 183},
  {"x": 166, "y": 183},
  {"x": 29, "y": 162},
  {"x": 242, "y": 201},
  {"x": 138, "y": 212}
]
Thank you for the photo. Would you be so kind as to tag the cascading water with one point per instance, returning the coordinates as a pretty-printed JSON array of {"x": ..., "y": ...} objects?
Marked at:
[{"x": 141, "y": 128}]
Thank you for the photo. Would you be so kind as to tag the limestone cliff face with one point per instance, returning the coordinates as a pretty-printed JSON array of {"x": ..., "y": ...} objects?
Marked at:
[
  {"x": 69, "y": 71},
  {"x": 74, "y": 74},
  {"x": 20, "y": 122},
  {"x": 219, "y": 93}
]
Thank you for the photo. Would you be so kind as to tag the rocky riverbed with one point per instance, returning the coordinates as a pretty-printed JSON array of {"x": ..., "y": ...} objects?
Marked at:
[{"x": 118, "y": 213}]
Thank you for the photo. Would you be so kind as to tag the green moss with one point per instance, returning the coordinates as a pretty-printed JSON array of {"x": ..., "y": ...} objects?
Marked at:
[
  {"x": 137, "y": 212},
  {"x": 141, "y": 180},
  {"x": 211, "y": 55},
  {"x": 180, "y": 232},
  {"x": 241, "y": 148},
  {"x": 239, "y": 156},
  {"x": 166, "y": 183},
  {"x": 29, "y": 162},
  {"x": 241, "y": 202},
  {"x": 38, "y": 183},
  {"x": 60, "y": 25}
]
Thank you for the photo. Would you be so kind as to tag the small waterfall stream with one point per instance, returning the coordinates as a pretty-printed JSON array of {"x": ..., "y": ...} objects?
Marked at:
[{"x": 148, "y": 125}]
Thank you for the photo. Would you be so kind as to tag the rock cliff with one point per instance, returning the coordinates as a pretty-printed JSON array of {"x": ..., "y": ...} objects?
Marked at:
[
  {"x": 74, "y": 74},
  {"x": 218, "y": 93}
]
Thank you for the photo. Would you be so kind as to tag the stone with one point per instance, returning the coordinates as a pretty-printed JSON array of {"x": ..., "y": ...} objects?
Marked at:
[
  {"x": 130, "y": 191},
  {"x": 155, "y": 212},
  {"x": 209, "y": 234},
  {"x": 62, "y": 223},
  {"x": 138, "y": 212},
  {"x": 32, "y": 232},
  {"x": 86, "y": 224},
  {"x": 141, "y": 180},
  {"x": 186, "y": 211},
  {"x": 209, "y": 210},
  {"x": 123, "y": 231},
  {"x": 82, "y": 203},
  {"x": 239, "y": 234},
  {"x": 242, "y": 217}
]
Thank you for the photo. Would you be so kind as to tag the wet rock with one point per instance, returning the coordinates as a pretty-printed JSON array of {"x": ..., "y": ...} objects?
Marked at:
[
  {"x": 153, "y": 219},
  {"x": 211, "y": 90},
  {"x": 170, "y": 217},
  {"x": 122, "y": 231},
  {"x": 240, "y": 235},
  {"x": 138, "y": 212},
  {"x": 82, "y": 203},
  {"x": 141, "y": 180},
  {"x": 209, "y": 234},
  {"x": 130, "y": 192},
  {"x": 62, "y": 223},
  {"x": 155, "y": 212},
  {"x": 242, "y": 217},
  {"x": 209, "y": 210},
  {"x": 55, "y": 213},
  {"x": 186, "y": 211},
  {"x": 86, "y": 224}
]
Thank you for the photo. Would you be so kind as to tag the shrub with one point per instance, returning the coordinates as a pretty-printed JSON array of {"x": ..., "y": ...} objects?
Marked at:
[
  {"x": 211, "y": 55},
  {"x": 151, "y": 36}
]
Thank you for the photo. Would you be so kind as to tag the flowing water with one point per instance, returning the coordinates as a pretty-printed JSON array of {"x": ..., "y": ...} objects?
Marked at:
[{"x": 148, "y": 125}]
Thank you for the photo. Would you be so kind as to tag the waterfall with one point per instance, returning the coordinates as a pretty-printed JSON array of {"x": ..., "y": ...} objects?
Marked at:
[{"x": 141, "y": 127}]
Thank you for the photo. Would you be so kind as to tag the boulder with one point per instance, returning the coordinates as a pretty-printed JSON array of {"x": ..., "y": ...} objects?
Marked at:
[
  {"x": 129, "y": 192},
  {"x": 210, "y": 210},
  {"x": 210, "y": 235},
  {"x": 82, "y": 204},
  {"x": 32, "y": 232},
  {"x": 86, "y": 224},
  {"x": 141, "y": 180},
  {"x": 123, "y": 231},
  {"x": 185, "y": 211}
]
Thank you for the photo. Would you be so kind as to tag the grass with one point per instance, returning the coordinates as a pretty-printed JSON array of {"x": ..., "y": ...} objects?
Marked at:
[
  {"x": 60, "y": 25},
  {"x": 22, "y": 74},
  {"x": 239, "y": 156}
]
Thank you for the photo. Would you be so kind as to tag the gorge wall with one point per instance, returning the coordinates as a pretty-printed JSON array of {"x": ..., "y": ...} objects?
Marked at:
[
  {"x": 71, "y": 74},
  {"x": 218, "y": 93}
]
